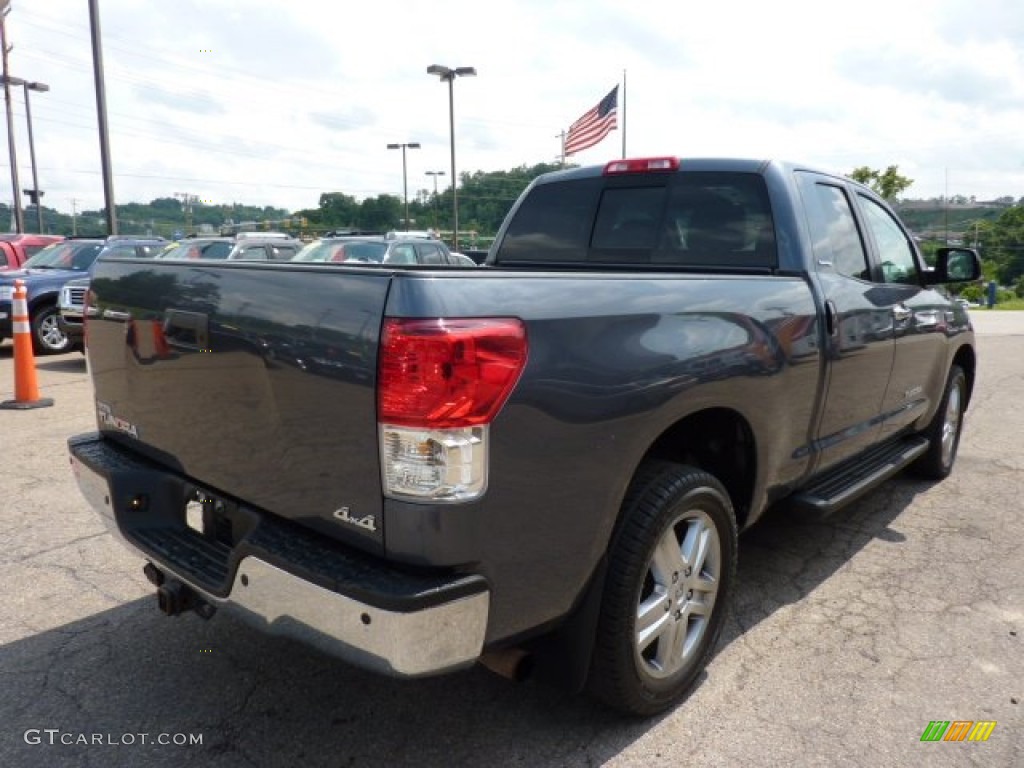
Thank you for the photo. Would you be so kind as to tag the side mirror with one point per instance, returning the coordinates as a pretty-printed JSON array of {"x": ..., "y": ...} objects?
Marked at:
[{"x": 954, "y": 265}]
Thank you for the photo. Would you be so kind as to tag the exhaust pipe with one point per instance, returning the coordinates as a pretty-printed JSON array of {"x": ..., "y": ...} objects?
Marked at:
[{"x": 511, "y": 663}]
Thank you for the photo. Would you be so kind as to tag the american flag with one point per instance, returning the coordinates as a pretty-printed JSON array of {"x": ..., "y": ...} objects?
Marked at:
[{"x": 594, "y": 125}]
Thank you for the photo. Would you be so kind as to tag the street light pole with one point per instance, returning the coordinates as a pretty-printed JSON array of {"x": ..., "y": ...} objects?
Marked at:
[
  {"x": 36, "y": 192},
  {"x": 405, "y": 185},
  {"x": 19, "y": 216},
  {"x": 435, "y": 174},
  {"x": 448, "y": 74}
]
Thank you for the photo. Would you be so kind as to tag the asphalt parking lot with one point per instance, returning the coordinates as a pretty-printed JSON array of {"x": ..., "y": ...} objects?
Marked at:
[{"x": 848, "y": 636}]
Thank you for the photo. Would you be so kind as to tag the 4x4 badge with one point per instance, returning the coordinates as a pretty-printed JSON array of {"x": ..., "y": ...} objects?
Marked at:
[{"x": 369, "y": 522}]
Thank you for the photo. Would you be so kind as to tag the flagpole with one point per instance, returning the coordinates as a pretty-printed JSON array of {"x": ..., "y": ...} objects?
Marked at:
[{"x": 623, "y": 114}]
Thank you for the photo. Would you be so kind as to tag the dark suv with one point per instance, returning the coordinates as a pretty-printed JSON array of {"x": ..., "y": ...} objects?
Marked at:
[{"x": 46, "y": 273}]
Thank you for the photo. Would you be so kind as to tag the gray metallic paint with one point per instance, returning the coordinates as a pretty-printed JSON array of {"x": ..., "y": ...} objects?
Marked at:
[{"x": 281, "y": 410}]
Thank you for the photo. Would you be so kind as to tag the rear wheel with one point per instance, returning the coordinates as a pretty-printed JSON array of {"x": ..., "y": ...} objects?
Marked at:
[
  {"x": 671, "y": 569},
  {"x": 47, "y": 336},
  {"x": 944, "y": 432}
]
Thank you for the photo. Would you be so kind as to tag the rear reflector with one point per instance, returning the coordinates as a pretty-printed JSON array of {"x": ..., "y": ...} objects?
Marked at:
[
  {"x": 641, "y": 165},
  {"x": 443, "y": 374}
]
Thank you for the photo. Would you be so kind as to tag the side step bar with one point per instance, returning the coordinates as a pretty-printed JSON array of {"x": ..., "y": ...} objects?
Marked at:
[{"x": 853, "y": 478}]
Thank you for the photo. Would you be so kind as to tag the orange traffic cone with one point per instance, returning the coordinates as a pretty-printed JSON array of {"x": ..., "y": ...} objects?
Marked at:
[{"x": 26, "y": 390}]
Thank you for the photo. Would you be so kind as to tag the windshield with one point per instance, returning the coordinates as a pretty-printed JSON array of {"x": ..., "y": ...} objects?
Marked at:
[
  {"x": 76, "y": 256},
  {"x": 352, "y": 250}
]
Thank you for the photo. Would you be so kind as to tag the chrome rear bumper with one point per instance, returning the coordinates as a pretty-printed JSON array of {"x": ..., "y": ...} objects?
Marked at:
[{"x": 397, "y": 624}]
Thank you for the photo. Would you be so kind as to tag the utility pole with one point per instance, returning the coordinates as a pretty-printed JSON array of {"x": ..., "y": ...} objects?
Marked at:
[
  {"x": 74, "y": 215},
  {"x": 19, "y": 215},
  {"x": 186, "y": 205},
  {"x": 561, "y": 148},
  {"x": 101, "y": 114}
]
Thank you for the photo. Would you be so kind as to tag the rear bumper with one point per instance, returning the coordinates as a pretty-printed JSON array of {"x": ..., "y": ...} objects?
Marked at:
[{"x": 284, "y": 578}]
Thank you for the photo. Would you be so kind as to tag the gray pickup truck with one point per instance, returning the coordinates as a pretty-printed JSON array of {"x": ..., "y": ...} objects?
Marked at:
[{"x": 541, "y": 464}]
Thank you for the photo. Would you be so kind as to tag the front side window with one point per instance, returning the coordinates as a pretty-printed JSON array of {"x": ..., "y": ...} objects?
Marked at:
[
  {"x": 363, "y": 251},
  {"x": 895, "y": 251},
  {"x": 430, "y": 254},
  {"x": 252, "y": 253},
  {"x": 283, "y": 252},
  {"x": 402, "y": 254},
  {"x": 216, "y": 250},
  {"x": 149, "y": 251}
]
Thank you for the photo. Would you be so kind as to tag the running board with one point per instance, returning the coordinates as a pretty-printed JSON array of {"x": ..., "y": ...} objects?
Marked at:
[{"x": 853, "y": 478}]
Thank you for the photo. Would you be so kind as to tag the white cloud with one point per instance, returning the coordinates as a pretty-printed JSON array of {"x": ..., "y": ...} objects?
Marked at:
[{"x": 269, "y": 103}]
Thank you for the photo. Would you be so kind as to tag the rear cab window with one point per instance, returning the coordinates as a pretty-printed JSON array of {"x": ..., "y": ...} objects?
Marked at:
[{"x": 705, "y": 220}]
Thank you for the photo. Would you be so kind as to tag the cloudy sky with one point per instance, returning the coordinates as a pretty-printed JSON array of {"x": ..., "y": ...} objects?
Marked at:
[{"x": 272, "y": 103}]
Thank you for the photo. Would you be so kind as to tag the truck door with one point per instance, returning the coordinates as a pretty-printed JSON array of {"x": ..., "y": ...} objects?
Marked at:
[
  {"x": 858, "y": 343},
  {"x": 920, "y": 320}
]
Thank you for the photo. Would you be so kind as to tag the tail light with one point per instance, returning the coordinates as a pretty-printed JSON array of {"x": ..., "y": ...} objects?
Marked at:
[{"x": 440, "y": 384}]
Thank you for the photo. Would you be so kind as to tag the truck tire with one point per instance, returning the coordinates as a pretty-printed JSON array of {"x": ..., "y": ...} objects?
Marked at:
[
  {"x": 671, "y": 568},
  {"x": 47, "y": 337},
  {"x": 944, "y": 431}
]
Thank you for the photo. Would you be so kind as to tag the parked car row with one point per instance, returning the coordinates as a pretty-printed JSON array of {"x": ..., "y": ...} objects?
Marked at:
[
  {"x": 46, "y": 274},
  {"x": 57, "y": 275},
  {"x": 390, "y": 249},
  {"x": 246, "y": 246},
  {"x": 62, "y": 320}
]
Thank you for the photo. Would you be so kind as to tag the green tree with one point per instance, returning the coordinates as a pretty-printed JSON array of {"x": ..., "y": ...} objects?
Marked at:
[
  {"x": 1003, "y": 244},
  {"x": 381, "y": 213},
  {"x": 336, "y": 209},
  {"x": 888, "y": 183}
]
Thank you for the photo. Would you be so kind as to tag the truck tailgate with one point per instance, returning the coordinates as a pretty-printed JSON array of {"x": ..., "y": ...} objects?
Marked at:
[{"x": 218, "y": 372}]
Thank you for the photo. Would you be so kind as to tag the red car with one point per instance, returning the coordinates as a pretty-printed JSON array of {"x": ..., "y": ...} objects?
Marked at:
[{"x": 15, "y": 249}]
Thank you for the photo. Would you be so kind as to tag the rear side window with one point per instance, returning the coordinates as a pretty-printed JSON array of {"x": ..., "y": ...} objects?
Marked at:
[
  {"x": 701, "y": 220},
  {"x": 83, "y": 257},
  {"x": 836, "y": 239}
]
